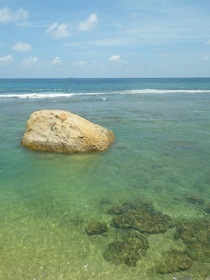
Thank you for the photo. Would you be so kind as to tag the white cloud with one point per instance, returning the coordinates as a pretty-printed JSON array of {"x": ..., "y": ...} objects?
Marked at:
[
  {"x": 58, "y": 30},
  {"x": 32, "y": 60},
  {"x": 87, "y": 66},
  {"x": 205, "y": 58},
  {"x": 208, "y": 41},
  {"x": 6, "y": 15},
  {"x": 21, "y": 47},
  {"x": 90, "y": 23},
  {"x": 6, "y": 59},
  {"x": 56, "y": 60},
  {"x": 115, "y": 58}
]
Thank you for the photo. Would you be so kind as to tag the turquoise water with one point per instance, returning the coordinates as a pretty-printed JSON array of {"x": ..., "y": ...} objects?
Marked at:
[{"x": 161, "y": 155}]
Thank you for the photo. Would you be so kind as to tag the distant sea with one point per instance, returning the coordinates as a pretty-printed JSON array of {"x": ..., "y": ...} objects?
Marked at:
[{"x": 161, "y": 158}]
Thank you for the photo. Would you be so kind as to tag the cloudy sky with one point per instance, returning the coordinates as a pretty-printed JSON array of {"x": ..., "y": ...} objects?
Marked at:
[{"x": 104, "y": 38}]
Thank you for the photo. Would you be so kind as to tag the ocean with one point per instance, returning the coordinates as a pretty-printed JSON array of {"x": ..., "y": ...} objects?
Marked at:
[{"x": 153, "y": 184}]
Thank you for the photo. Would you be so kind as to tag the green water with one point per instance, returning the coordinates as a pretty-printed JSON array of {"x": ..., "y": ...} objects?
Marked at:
[{"x": 161, "y": 155}]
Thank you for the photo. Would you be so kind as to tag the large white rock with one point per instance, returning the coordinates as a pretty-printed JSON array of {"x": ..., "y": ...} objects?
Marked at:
[{"x": 64, "y": 132}]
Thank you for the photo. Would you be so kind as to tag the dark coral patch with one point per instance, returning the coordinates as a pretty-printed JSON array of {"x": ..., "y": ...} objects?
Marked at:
[
  {"x": 174, "y": 261},
  {"x": 195, "y": 199},
  {"x": 128, "y": 249},
  {"x": 207, "y": 209},
  {"x": 144, "y": 220},
  {"x": 96, "y": 228},
  {"x": 196, "y": 235}
]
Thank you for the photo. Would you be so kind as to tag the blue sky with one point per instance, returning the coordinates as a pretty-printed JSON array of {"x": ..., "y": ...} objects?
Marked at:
[{"x": 118, "y": 38}]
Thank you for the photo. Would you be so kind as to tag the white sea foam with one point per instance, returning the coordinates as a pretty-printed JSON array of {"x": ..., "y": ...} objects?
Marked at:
[
  {"x": 49, "y": 95},
  {"x": 163, "y": 91},
  {"x": 36, "y": 95},
  {"x": 45, "y": 95}
]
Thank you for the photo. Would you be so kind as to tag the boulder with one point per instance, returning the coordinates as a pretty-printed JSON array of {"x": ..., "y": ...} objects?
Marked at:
[{"x": 64, "y": 132}]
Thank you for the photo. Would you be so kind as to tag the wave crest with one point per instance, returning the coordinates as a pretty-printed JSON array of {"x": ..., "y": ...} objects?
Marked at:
[{"x": 59, "y": 94}]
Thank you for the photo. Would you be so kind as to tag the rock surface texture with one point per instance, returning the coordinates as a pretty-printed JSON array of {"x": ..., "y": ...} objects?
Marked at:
[{"x": 64, "y": 132}]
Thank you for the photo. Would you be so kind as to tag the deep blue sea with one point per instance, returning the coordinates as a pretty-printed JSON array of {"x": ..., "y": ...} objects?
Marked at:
[{"x": 160, "y": 161}]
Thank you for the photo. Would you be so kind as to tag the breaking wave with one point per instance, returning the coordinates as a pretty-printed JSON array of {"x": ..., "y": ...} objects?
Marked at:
[{"x": 45, "y": 95}]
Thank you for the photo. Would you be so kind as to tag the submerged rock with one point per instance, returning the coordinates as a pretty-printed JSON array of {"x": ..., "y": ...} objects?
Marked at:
[
  {"x": 96, "y": 228},
  {"x": 195, "y": 199},
  {"x": 196, "y": 236},
  {"x": 207, "y": 209},
  {"x": 125, "y": 207},
  {"x": 174, "y": 261},
  {"x": 64, "y": 132},
  {"x": 145, "y": 220},
  {"x": 128, "y": 250}
]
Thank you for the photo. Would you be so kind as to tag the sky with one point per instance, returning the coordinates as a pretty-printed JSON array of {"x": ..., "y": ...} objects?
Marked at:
[{"x": 104, "y": 38}]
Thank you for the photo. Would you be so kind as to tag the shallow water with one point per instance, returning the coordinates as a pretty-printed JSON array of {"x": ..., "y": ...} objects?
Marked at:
[{"x": 161, "y": 155}]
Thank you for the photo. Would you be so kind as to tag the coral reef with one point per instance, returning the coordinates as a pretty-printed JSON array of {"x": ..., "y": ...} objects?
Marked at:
[
  {"x": 96, "y": 228},
  {"x": 195, "y": 199},
  {"x": 143, "y": 219},
  {"x": 128, "y": 250},
  {"x": 133, "y": 205},
  {"x": 133, "y": 221},
  {"x": 196, "y": 236},
  {"x": 207, "y": 209},
  {"x": 174, "y": 261}
]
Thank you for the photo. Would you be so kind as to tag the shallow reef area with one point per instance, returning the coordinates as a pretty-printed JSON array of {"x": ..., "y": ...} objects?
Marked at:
[
  {"x": 174, "y": 261},
  {"x": 128, "y": 249},
  {"x": 195, "y": 199},
  {"x": 134, "y": 222},
  {"x": 196, "y": 235},
  {"x": 144, "y": 220},
  {"x": 96, "y": 228}
]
